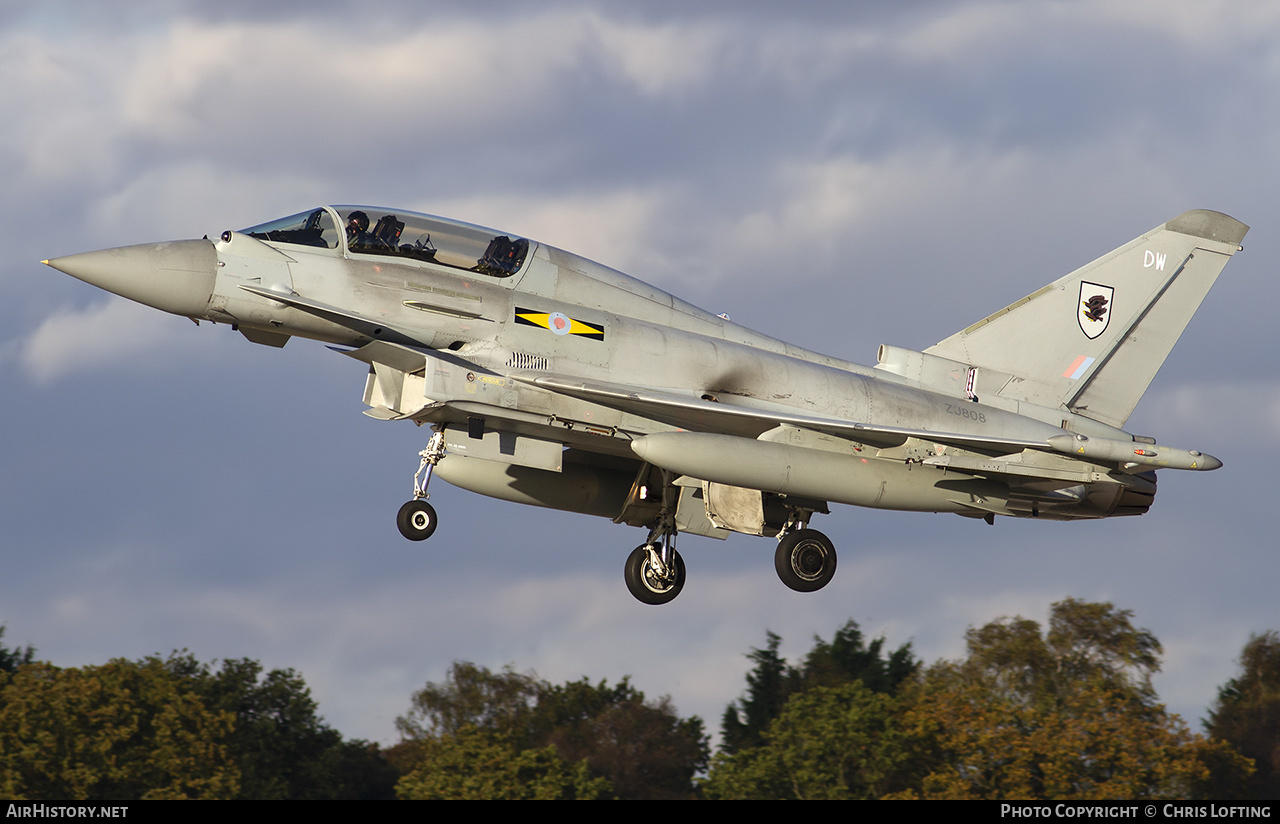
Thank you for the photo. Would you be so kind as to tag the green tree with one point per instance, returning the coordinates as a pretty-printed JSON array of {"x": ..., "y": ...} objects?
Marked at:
[
  {"x": 643, "y": 748},
  {"x": 11, "y": 659},
  {"x": 282, "y": 746},
  {"x": 640, "y": 748},
  {"x": 1067, "y": 714},
  {"x": 840, "y": 742},
  {"x": 470, "y": 696},
  {"x": 123, "y": 730},
  {"x": 473, "y": 765},
  {"x": 847, "y": 658},
  {"x": 284, "y": 750},
  {"x": 769, "y": 683},
  {"x": 1246, "y": 715}
]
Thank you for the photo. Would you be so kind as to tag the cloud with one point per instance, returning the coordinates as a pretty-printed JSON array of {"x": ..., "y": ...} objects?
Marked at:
[
  {"x": 104, "y": 335},
  {"x": 195, "y": 198}
]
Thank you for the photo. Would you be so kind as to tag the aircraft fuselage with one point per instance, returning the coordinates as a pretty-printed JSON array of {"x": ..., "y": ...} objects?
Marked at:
[{"x": 555, "y": 381}]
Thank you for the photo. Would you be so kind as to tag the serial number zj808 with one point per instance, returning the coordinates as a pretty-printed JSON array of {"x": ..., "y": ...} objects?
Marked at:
[{"x": 966, "y": 412}]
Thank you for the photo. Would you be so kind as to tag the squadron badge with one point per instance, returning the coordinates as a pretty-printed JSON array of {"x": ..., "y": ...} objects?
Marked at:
[{"x": 1094, "y": 309}]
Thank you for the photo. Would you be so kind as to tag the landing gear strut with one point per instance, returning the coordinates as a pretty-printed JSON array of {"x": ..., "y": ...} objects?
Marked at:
[
  {"x": 655, "y": 571},
  {"x": 417, "y": 519}
]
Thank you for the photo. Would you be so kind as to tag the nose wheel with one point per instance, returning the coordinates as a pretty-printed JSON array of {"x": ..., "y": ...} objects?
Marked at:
[
  {"x": 805, "y": 560},
  {"x": 417, "y": 519}
]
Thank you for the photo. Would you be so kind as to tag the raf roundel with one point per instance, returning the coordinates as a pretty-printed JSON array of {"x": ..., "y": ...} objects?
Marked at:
[{"x": 559, "y": 323}]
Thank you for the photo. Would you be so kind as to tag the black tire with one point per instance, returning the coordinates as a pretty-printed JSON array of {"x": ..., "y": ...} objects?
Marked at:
[
  {"x": 805, "y": 560},
  {"x": 417, "y": 520},
  {"x": 645, "y": 585}
]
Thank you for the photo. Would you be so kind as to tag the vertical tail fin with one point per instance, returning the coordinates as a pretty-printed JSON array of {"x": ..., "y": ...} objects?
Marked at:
[{"x": 1091, "y": 342}]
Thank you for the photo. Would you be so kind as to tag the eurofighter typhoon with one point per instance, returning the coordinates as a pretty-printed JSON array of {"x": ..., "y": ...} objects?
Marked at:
[{"x": 551, "y": 380}]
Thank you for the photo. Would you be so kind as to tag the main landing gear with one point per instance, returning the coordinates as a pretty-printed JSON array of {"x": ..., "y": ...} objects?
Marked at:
[
  {"x": 417, "y": 519},
  {"x": 655, "y": 573},
  {"x": 805, "y": 560}
]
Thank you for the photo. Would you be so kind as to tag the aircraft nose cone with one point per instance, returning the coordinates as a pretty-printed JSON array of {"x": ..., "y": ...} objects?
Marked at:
[{"x": 176, "y": 277}]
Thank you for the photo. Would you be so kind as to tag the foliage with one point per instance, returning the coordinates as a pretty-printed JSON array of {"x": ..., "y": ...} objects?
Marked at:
[
  {"x": 1246, "y": 715},
  {"x": 123, "y": 730},
  {"x": 284, "y": 750},
  {"x": 640, "y": 748},
  {"x": 1092, "y": 744},
  {"x": 769, "y": 683},
  {"x": 470, "y": 696},
  {"x": 363, "y": 772},
  {"x": 847, "y": 658},
  {"x": 473, "y": 764},
  {"x": 838, "y": 742},
  {"x": 175, "y": 728},
  {"x": 1063, "y": 713},
  {"x": 1069, "y": 714},
  {"x": 11, "y": 659}
]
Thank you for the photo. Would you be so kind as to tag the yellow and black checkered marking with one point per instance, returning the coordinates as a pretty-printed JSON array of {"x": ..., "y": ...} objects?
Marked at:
[{"x": 548, "y": 321}]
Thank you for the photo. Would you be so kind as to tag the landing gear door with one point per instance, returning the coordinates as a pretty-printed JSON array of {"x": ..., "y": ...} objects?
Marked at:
[
  {"x": 691, "y": 512},
  {"x": 735, "y": 508}
]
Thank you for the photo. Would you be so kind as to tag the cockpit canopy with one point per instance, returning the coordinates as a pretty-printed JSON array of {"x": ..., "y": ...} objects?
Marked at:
[{"x": 375, "y": 231}]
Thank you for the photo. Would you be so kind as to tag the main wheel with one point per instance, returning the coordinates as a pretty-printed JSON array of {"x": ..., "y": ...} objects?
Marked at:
[
  {"x": 644, "y": 582},
  {"x": 805, "y": 560},
  {"x": 417, "y": 520}
]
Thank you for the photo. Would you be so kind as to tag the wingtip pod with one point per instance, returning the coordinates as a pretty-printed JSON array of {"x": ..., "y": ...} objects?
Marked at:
[
  {"x": 1210, "y": 225},
  {"x": 1132, "y": 453}
]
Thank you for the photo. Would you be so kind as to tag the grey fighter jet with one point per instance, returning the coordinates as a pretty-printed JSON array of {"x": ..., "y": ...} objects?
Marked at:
[{"x": 551, "y": 380}]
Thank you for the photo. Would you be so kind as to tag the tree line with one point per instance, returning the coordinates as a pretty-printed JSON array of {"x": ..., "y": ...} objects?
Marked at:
[{"x": 1062, "y": 711}]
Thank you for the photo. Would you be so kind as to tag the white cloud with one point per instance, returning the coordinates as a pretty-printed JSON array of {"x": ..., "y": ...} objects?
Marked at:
[
  {"x": 196, "y": 80},
  {"x": 104, "y": 335},
  {"x": 656, "y": 60},
  {"x": 195, "y": 198}
]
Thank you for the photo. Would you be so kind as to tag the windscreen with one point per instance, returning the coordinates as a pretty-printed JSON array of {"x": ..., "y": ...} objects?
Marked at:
[{"x": 313, "y": 228}]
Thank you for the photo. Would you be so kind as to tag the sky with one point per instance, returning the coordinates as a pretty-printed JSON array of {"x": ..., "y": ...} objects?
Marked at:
[{"x": 836, "y": 174}]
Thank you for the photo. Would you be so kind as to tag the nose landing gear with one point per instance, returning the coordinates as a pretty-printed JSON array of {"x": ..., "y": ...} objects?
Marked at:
[{"x": 417, "y": 519}]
